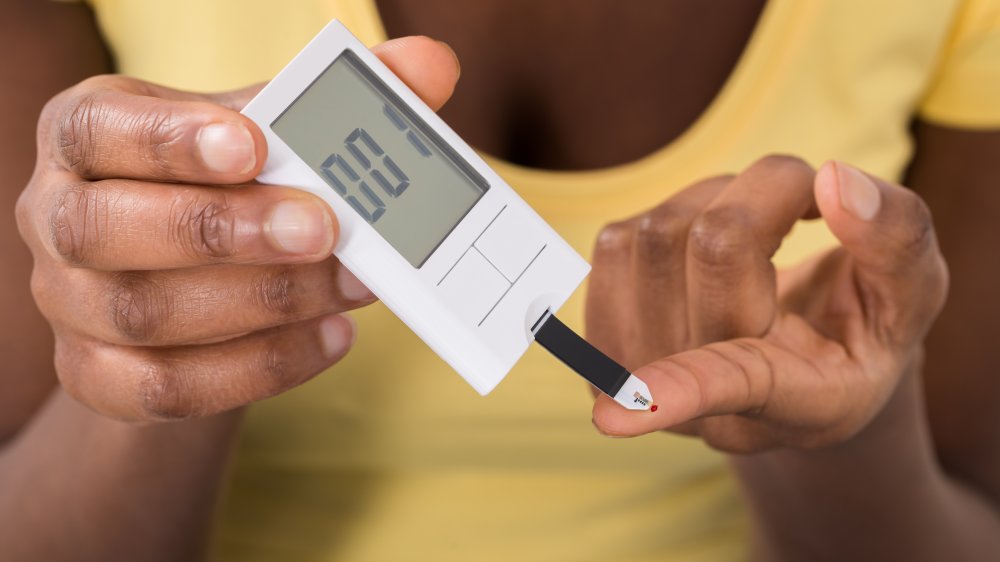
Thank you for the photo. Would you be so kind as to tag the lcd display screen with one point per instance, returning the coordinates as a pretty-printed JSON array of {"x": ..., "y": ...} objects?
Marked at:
[{"x": 380, "y": 157}]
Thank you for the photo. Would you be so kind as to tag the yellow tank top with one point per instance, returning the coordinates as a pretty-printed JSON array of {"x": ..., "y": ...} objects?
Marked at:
[{"x": 441, "y": 474}]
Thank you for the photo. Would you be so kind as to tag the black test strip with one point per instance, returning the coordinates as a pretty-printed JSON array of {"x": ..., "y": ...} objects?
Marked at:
[{"x": 602, "y": 371}]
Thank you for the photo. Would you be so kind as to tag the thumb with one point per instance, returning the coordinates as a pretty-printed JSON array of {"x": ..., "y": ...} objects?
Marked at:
[
  {"x": 888, "y": 231},
  {"x": 427, "y": 66}
]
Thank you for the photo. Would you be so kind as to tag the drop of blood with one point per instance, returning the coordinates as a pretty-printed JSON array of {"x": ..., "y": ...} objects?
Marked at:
[{"x": 654, "y": 408}]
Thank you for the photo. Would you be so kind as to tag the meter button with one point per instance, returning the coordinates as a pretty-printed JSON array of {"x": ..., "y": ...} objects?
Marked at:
[
  {"x": 473, "y": 287},
  {"x": 511, "y": 242}
]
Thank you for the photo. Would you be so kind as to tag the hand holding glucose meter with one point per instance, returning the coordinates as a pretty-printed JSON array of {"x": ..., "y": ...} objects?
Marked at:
[{"x": 449, "y": 247}]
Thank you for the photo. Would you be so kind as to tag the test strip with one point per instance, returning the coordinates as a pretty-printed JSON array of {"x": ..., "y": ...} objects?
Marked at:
[{"x": 589, "y": 362}]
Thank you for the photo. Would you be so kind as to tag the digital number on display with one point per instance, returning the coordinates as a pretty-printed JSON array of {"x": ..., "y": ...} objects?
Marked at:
[
  {"x": 380, "y": 158},
  {"x": 356, "y": 144}
]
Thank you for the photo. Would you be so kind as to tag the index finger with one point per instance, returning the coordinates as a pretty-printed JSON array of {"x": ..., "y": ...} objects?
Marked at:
[
  {"x": 748, "y": 377},
  {"x": 730, "y": 278},
  {"x": 117, "y": 127}
]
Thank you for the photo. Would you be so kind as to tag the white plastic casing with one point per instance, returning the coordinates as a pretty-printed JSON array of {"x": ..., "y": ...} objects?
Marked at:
[{"x": 474, "y": 300}]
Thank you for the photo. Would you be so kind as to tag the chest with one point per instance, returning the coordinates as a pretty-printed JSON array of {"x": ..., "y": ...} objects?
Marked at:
[{"x": 580, "y": 85}]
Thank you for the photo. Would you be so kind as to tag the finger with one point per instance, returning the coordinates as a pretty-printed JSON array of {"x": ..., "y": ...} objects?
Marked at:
[
  {"x": 117, "y": 127},
  {"x": 430, "y": 68},
  {"x": 638, "y": 278},
  {"x": 730, "y": 279},
  {"x": 748, "y": 377},
  {"x": 188, "y": 306},
  {"x": 128, "y": 225},
  {"x": 658, "y": 263},
  {"x": 889, "y": 232},
  {"x": 176, "y": 383},
  {"x": 608, "y": 311}
]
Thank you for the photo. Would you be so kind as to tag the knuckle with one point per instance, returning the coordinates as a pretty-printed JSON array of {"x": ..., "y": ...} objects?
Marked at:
[
  {"x": 204, "y": 226},
  {"x": 78, "y": 125},
  {"x": 82, "y": 365},
  {"x": 615, "y": 237},
  {"x": 660, "y": 231},
  {"x": 274, "y": 291},
  {"x": 659, "y": 237},
  {"x": 87, "y": 117},
  {"x": 157, "y": 132},
  {"x": 75, "y": 223},
  {"x": 163, "y": 393},
  {"x": 138, "y": 307},
  {"x": 276, "y": 372},
  {"x": 721, "y": 236}
]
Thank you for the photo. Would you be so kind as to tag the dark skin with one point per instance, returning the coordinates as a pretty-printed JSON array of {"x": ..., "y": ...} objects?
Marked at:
[
  {"x": 650, "y": 51},
  {"x": 40, "y": 427},
  {"x": 888, "y": 468}
]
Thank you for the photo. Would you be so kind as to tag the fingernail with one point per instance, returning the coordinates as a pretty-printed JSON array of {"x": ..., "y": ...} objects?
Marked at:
[
  {"x": 300, "y": 227},
  {"x": 336, "y": 334},
  {"x": 858, "y": 193},
  {"x": 227, "y": 148},
  {"x": 351, "y": 288}
]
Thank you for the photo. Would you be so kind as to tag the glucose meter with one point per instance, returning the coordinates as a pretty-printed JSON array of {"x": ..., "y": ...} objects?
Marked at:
[{"x": 426, "y": 224}]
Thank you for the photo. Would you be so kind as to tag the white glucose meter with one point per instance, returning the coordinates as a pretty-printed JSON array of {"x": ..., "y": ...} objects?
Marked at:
[{"x": 425, "y": 224}]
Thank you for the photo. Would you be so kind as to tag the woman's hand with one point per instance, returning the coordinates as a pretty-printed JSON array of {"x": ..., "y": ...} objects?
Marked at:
[
  {"x": 176, "y": 288},
  {"x": 749, "y": 358}
]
